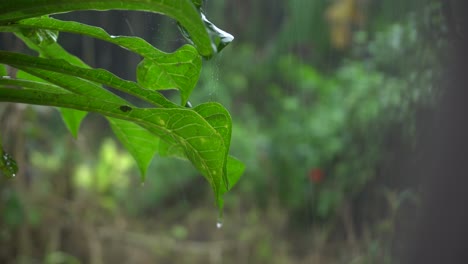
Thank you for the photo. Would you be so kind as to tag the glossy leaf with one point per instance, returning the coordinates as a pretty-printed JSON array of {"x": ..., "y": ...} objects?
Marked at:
[
  {"x": 201, "y": 143},
  {"x": 220, "y": 119}
]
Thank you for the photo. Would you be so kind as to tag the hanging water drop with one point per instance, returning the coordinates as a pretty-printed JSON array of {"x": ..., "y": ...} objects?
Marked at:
[
  {"x": 142, "y": 184},
  {"x": 219, "y": 223}
]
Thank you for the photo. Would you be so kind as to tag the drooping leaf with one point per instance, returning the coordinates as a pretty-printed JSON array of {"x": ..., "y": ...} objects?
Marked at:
[
  {"x": 201, "y": 143},
  {"x": 220, "y": 119},
  {"x": 181, "y": 10},
  {"x": 141, "y": 144},
  {"x": 72, "y": 119},
  {"x": 159, "y": 70}
]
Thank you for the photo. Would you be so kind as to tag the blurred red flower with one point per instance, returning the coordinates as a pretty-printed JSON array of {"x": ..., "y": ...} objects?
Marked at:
[{"x": 316, "y": 175}]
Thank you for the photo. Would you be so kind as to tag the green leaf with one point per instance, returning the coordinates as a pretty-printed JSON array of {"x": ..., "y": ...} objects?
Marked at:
[
  {"x": 181, "y": 10},
  {"x": 201, "y": 143},
  {"x": 220, "y": 119},
  {"x": 141, "y": 144},
  {"x": 159, "y": 70},
  {"x": 72, "y": 119}
]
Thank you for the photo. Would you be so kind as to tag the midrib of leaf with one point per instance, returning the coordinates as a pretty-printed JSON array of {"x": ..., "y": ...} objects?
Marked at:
[{"x": 181, "y": 10}]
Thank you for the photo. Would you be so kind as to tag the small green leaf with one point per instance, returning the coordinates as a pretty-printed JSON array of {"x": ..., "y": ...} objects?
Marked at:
[{"x": 72, "y": 119}]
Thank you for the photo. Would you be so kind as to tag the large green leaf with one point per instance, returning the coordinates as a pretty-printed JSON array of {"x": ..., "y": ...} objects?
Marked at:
[
  {"x": 202, "y": 144},
  {"x": 181, "y": 10},
  {"x": 159, "y": 70}
]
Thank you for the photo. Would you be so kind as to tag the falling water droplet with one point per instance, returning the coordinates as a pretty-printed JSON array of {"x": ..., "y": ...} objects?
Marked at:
[{"x": 219, "y": 224}]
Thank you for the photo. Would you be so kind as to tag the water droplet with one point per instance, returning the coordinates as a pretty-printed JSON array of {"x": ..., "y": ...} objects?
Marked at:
[
  {"x": 142, "y": 184},
  {"x": 219, "y": 224},
  {"x": 13, "y": 175}
]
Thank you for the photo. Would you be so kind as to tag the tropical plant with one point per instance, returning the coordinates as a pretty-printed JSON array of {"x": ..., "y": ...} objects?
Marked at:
[{"x": 153, "y": 124}]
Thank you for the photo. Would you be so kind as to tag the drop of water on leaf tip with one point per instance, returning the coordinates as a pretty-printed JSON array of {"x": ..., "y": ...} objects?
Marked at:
[
  {"x": 219, "y": 224},
  {"x": 142, "y": 184}
]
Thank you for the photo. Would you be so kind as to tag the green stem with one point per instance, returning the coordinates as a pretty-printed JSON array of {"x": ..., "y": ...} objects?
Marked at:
[{"x": 22, "y": 61}]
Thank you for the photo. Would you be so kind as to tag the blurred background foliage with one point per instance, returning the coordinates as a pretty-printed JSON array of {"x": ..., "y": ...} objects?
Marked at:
[{"x": 326, "y": 97}]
